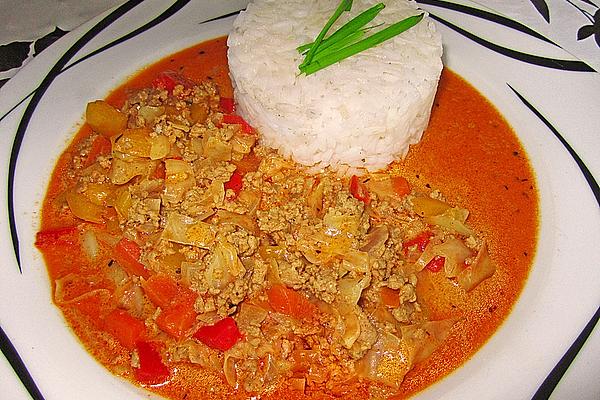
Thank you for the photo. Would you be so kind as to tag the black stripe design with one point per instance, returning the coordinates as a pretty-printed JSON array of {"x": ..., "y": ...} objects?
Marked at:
[
  {"x": 542, "y": 8},
  {"x": 488, "y": 16},
  {"x": 582, "y": 167},
  {"x": 18, "y": 366},
  {"x": 549, "y": 384},
  {"x": 565, "y": 65}
]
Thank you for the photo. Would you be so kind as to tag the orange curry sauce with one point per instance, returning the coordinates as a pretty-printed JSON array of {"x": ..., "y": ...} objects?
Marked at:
[{"x": 468, "y": 152}]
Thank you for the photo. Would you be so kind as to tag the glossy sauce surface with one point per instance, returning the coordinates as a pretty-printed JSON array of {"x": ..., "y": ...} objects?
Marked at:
[{"x": 468, "y": 152}]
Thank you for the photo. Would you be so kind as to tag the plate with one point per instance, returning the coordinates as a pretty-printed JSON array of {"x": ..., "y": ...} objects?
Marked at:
[{"x": 548, "y": 96}]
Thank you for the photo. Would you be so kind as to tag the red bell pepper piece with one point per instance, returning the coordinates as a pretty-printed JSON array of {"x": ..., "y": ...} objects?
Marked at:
[
  {"x": 152, "y": 369},
  {"x": 235, "y": 183},
  {"x": 127, "y": 254},
  {"x": 237, "y": 120},
  {"x": 421, "y": 240},
  {"x": 359, "y": 190},
  {"x": 436, "y": 264},
  {"x": 165, "y": 81},
  {"x": 67, "y": 236},
  {"x": 125, "y": 327},
  {"x": 101, "y": 146},
  {"x": 227, "y": 105},
  {"x": 222, "y": 335}
]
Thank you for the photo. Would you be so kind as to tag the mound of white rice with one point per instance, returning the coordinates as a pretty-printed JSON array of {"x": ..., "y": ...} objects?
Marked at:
[{"x": 362, "y": 112}]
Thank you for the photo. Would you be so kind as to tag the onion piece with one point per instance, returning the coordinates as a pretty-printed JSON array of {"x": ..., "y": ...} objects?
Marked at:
[
  {"x": 82, "y": 208},
  {"x": 428, "y": 207},
  {"x": 375, "y": 239},
  {"x": 224, "y": 266},
  {"x": 453, "y": 219},
  {"x": 386, "y": 362},
  {"x": 454, "y": 251},
  {"x": 122, "y": 171},
  {"x": 216, "y": 149},
  {"x": 241, "y": 220},
  {"x": 187, "y": 230},
  {"x": 423, "y": 339},
  {"x": 179, "y": 178},
  {"x": 90, "y": 245},
  {"x": 481, "y": 269}
]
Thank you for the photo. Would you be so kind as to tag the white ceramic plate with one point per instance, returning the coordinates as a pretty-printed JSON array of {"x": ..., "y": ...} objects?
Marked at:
[{"x": 553, "y": 106}]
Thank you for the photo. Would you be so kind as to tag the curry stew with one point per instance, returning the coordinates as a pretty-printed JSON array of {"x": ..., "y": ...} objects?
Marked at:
[{"x": 191, "y": 260}]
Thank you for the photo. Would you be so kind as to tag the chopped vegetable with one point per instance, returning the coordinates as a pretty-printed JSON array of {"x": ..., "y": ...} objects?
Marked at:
[
  {"x": 221, "y": 336},
  {"x": 345, "y": 5},
  {"x": 359, "y": 190},
  {"x": 127, "y": 253},
  {"x": 421, "y": 241},
  {"x": 152, "y": 369},
  {"x": 436, "y": 264},
  {"x": 126, "y": 328},
  {"x": 227, "y": 105},
  {"x": 66, "y": 236},
  {"x": 161, "y": 289},
  {"x": 178, "y": 318},
  {"x": 289, "y": 302},
  {"x": 400, "y": 185},
  {"x": 104, "y": 118},
  {"x": 164, "y": 81},
  {"x": 235, "y": 183},
  {"x": 389, "y": 297},
  {"x": 101, "y": 146},
  {"x": 82, "y": 208},
  {"x": 349, "y": 28},
  {"x": 237, "y": 120}
]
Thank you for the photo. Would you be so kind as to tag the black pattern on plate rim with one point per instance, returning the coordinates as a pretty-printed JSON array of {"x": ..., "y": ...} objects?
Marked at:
[
  {"x": 7, "y": 347},
  {"x": 565, "y": 65},
  {"x": 553, "y": 378}
]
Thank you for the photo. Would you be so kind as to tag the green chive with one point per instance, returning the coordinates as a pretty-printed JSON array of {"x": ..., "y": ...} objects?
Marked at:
[
  {"x": 345, "y": 5},
  {"x": 363, "y": 45},
  {"x": 347, "y": 29}
]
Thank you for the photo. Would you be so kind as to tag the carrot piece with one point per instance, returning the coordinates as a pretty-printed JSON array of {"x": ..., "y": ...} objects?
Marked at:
[
  {"x": 125, "y": 327},
  {"x": 390, "y": 297},
  {"x": 127, "y": 253},
  {"x": 160, "y": 171},
  {"x": 289, "y": 302},
  {"x": 101, "y": 146},
  {"x": 161, "y": 289},
  {"x": 177, "y": 319},
  {"x": 400, "y": 185},
  {"x": 249, "y": 163}
]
